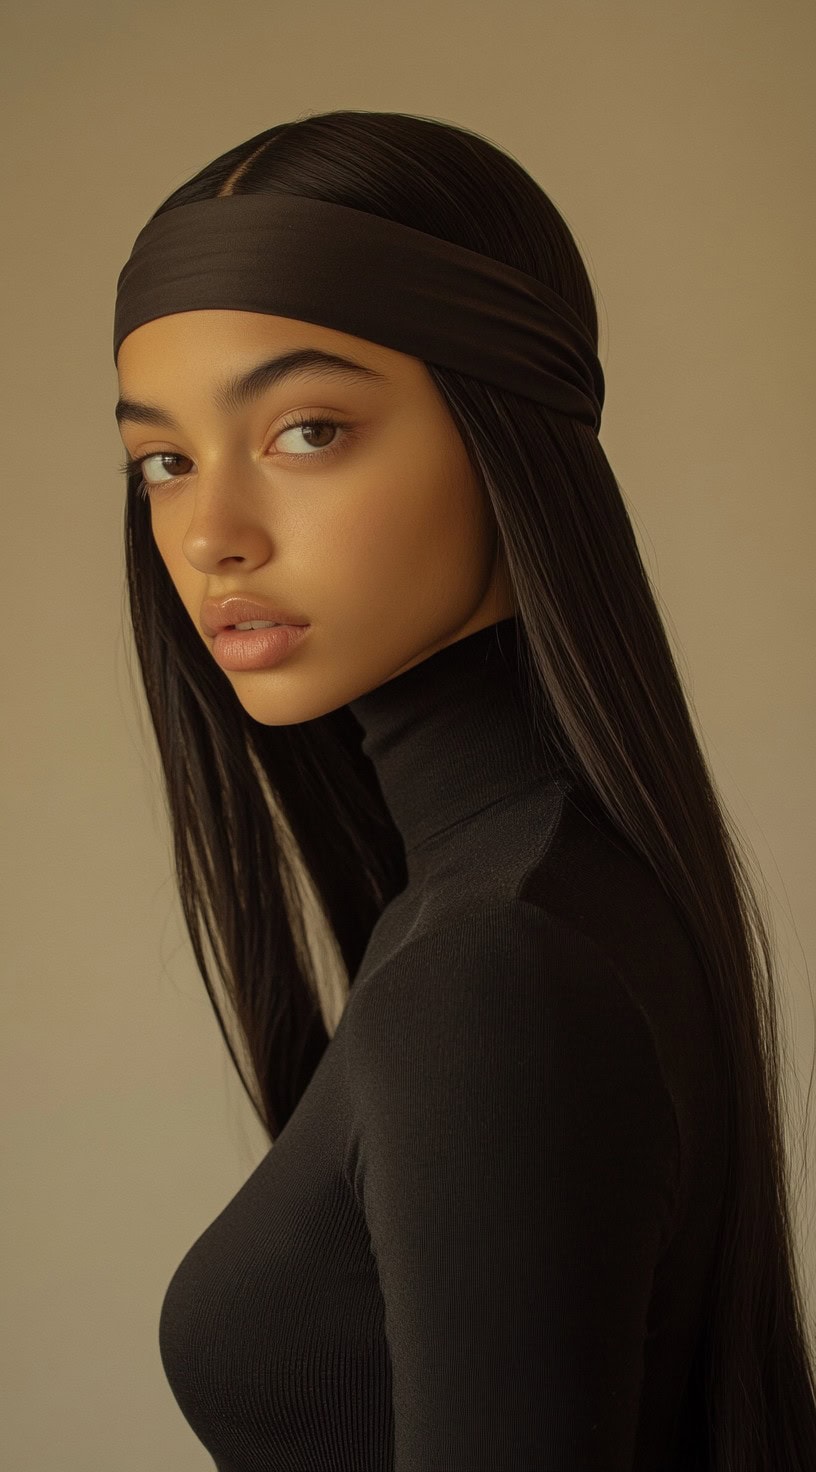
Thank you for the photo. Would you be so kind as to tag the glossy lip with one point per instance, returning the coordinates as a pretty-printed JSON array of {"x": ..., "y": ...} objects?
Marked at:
[
  {"x": 256, "y": 649},
  {"x": 223, "y": 613}
]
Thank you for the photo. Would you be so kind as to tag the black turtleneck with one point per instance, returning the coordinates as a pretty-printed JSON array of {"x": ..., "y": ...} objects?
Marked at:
[
  {"x": 482, "y": 1241},
  {"x": 453, "y": 734}
]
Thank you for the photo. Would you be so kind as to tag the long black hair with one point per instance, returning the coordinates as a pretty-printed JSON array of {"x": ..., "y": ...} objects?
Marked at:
[{"x": 286, "y": 853}]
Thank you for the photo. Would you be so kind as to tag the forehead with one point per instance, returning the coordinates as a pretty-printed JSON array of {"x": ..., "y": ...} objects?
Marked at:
[{"x": 213, "y": 339}]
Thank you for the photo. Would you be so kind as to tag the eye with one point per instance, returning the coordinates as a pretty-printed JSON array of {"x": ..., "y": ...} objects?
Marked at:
[
  {"x": 159, "y": 456},
  {"x": 297, "y": 421}
]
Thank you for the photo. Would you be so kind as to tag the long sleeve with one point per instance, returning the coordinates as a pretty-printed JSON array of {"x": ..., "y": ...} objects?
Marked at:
[{"x": 517, "y": 1161}]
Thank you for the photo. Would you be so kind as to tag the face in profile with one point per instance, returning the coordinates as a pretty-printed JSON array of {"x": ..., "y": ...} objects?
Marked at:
[{"x": 370, "y": 527}]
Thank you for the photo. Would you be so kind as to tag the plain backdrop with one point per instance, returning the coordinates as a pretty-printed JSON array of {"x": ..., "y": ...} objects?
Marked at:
[{"x": 678, "y": 142}]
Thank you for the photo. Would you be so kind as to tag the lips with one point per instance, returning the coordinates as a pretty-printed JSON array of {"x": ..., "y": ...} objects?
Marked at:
[{"x": 225, "y": 613}]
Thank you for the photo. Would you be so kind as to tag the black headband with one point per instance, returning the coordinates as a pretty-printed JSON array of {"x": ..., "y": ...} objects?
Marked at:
[{"x": 370, "y": 277}]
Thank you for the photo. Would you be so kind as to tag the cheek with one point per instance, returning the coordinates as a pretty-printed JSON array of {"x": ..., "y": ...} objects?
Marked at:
[
  {"x": 402, "y": 524},
  {"x": 166, "y": 545},
  {"x": 186, "y": 580}
]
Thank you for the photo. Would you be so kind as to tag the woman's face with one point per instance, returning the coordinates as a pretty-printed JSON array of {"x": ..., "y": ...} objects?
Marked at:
[{"x": 383, "y": 543}]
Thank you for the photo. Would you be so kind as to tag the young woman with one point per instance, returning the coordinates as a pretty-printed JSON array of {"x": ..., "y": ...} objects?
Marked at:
[{"x": 525, "y": 1203}]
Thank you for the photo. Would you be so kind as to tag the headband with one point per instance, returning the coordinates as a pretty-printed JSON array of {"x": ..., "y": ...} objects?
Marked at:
[{"x": 373, "y": 278}]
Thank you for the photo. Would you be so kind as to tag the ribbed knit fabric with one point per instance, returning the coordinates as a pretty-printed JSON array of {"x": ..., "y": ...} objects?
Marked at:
[{"x": 483, "y": 1242}]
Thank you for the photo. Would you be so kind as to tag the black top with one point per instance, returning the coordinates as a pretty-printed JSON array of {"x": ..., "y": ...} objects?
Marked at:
[{"x": 483, "y": 1241}]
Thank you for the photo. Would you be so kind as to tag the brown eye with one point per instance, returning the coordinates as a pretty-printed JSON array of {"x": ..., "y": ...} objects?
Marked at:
[
  {"x": 316, "y": 430},
  {"x": 160, "y": 455}
]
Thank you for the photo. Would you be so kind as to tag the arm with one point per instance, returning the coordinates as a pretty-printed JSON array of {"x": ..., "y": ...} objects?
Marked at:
[{"x": 517, "y": 1164}]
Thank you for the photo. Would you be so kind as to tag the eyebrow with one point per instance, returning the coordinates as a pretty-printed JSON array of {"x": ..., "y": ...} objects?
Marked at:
[{"x": 242, "y": 388}]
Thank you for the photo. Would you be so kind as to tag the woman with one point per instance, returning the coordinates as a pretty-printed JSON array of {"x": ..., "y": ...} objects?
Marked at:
[{"x": 526, "y": 1202}]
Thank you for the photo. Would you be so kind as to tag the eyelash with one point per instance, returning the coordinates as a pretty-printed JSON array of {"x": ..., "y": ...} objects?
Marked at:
[{"x": 143, "y": 487}]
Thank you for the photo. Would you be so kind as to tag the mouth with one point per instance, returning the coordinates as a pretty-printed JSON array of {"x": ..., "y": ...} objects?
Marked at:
[
  {"x": 256, "y": 648},
  {"x": 258, "y": 624}
]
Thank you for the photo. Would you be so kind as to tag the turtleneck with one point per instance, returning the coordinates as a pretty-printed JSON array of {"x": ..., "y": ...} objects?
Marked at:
[
  {"x": 453, "y": 734},
  {"x": 485, "y": 1234}
]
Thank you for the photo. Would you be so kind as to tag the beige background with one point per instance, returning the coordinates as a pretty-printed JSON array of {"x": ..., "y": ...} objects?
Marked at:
[{"x": 678, "y": 141}]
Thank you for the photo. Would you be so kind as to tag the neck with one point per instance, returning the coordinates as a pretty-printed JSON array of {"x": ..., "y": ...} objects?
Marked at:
[{"x": 453, "y": 734}]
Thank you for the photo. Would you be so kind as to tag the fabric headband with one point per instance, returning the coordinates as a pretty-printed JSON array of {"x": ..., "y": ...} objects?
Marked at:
[{"x": 370, "y": 277}]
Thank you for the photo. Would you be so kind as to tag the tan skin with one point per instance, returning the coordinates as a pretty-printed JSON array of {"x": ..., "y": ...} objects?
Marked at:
[{"x": 388, "y": 548}]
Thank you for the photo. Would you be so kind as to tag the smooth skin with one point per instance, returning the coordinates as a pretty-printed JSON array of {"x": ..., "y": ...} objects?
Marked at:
[{"x": 388, "y": 548}]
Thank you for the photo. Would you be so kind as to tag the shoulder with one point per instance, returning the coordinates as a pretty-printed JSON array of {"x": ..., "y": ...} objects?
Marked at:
[
  {"x": 510, "y": 960},
  {"x": 514, "y": 990},
  {"x": 510, "y": 1026}
]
